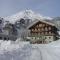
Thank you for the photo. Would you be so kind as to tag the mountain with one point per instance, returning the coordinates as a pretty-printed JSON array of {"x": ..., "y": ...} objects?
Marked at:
[
  {"x": 56, "y": 21},
  {"x": 27, "y": 14}
]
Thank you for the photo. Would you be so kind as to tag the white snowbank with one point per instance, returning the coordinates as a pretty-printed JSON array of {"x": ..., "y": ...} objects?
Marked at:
[
  {"x": 19, "y": 50},
  {"x": 11, "y": 45},
  {"x": 55, "y": 43}
]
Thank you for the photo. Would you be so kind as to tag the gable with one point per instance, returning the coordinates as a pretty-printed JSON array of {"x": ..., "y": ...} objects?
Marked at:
[{"x": 40, "y": 24}]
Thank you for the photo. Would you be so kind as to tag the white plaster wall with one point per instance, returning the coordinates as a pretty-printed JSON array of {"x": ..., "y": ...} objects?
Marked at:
[
  {"x": 49, "y": 39},
  {"x": 46, "y": 38}
]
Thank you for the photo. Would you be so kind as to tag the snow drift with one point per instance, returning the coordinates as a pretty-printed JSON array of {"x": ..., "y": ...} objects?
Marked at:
[{"x": 20, "y": 50}]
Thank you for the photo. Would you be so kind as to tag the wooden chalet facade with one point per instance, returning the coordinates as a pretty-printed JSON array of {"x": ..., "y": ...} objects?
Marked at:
[{"x": 42, "y": 32}]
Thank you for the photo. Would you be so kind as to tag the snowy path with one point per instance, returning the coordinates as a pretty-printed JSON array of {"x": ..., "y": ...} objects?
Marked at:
[
  {"x": 49, "y": 52},
  {"x": 44, "y": 55},
  {"x": 26, "y": 51}
]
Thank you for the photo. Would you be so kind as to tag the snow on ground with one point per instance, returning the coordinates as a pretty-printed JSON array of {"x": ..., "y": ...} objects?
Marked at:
[
  {"x": 20, "y": 50},
  {"x": 55, "y": 43}
]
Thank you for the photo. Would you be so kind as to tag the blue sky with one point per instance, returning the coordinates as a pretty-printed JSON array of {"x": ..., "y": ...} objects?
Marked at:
[{"x": 45, "y": 7}]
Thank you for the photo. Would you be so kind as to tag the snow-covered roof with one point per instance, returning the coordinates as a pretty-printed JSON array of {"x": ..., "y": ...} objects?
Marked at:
[{"x": 35, "y": 21}]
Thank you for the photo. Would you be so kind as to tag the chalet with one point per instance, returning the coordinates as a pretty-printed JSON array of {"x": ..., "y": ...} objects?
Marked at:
[{"x": 41, "y": 31}]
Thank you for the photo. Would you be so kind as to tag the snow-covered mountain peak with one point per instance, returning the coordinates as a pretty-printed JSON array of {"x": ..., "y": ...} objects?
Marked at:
[{"x": 27, "y": 14}]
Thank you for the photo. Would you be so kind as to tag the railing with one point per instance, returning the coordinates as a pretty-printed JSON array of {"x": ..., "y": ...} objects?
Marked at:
[{"x": 37, "y": 35}]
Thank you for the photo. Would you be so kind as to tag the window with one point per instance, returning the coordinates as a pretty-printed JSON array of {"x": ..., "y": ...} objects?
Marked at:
[
  {"x": 46, "y": 29},
  {"x": 35, "y": 38},
  {"x": 49, "y": 32},
  {"x": 42, "y": 29},
  {"x": 37, "y": 26},
  {"x": 35, "y": 30},
  {"x": 38, "y": 29},
  {"x": 38, "y": 38},
  {"x": 32, "y": 29},
  {"x": 42, "y": 33},
  {"x": 45, "y": 37},
  {"x": 32, "y": 37},
  {"x": 46, "y": 32},
  {"x": 49, "y": 37},
  {"x": 40, "y": 25},
  {"x": 43, "y": 25},
  {"x": 46, "y": 24},
  {"x": 49, "y": 28}
]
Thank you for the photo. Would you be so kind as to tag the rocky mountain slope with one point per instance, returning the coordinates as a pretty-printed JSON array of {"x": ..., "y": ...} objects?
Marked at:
[{"x": 26, "y": 14}]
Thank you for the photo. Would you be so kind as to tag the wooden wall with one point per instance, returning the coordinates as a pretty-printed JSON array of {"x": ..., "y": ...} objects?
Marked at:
[{"x": 41, "y": 28}]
